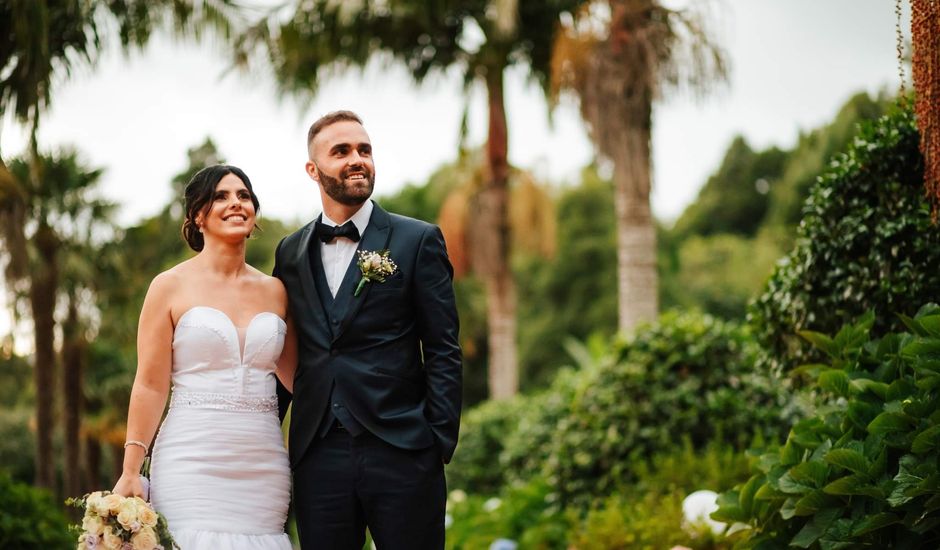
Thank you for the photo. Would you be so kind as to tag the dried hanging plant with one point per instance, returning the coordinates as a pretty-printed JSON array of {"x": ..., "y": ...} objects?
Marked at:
[{"x": 925, "y": 36}]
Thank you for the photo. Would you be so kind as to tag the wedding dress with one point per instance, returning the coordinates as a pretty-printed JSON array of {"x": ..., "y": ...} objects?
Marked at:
[{"x": 219, "y": 471}]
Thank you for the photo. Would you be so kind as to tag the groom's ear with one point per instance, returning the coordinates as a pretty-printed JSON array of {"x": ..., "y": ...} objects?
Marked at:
[{"x": 312, "y": 171}]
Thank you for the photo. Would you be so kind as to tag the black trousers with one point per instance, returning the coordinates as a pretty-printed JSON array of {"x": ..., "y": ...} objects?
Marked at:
[{"x": 344, "y": 484}]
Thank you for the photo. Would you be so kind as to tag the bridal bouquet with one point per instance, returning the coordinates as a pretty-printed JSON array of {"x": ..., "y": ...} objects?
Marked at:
[{"x": 115, "y": 522}]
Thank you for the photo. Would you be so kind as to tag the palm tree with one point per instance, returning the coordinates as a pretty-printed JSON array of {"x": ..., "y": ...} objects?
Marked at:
[
  {"x": 42, "y": 40},
  {"x": 482, "y": 38},
  {"x": 57, "y": 215},
  {"x": 619, "y": 56}
]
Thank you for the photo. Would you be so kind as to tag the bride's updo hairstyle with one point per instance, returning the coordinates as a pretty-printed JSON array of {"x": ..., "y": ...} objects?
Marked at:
[{"x": 198, "y": 196}]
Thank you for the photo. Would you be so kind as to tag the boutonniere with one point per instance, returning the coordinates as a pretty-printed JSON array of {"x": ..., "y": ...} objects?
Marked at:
[{"x": 375, "y": 266}]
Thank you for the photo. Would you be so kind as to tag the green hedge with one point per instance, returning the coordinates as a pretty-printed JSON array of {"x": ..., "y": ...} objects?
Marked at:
[
  {"x": 866, "y": 242},
  {"x": 862, "y": 472},
  {"x": 31, "y": 519},
  {"x": 647, "y": 514},
  {"x": 687, "y": 377}
]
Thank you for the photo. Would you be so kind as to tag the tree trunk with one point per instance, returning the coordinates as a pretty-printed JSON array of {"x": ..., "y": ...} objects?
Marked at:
[
  {"x": 92, "y": 476},
  {"x": 491, "y": 257},
  {"x": 72, "y": 359},
  {"x": 637, "y": 278},
  {"x": 42, "y": 295},
  {"x": 117, "y": 460}
]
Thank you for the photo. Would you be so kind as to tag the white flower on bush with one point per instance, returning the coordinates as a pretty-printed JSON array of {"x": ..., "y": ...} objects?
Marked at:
[
  {"x": 492, "y": 504},
  {"x": 456, "y": 496},
  {"x": 697, "y": 509}
]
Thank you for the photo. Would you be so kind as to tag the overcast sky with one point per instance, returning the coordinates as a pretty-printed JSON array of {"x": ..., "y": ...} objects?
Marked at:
[{"x": 793, "y": 63}]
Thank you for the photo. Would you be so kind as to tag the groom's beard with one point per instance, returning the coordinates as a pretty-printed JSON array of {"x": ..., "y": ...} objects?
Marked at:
[{"x": 349, "y": 192}]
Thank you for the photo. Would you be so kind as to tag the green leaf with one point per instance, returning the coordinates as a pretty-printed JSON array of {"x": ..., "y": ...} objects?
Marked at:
[
  {"x": 850, "y": 460},
  {"x": 888, "y": 422},
  {"x": 821, "y": 342},
  {"x": 815, "y": 528},
  {"x": 791, "y": 486},
  {"x": 848, "y": 485},
  {"x": 835, "y": 381},
  {"x": 768, "y": 492},
  {"x": 875, "y": 522},
  {"x": 812, "y": 503},
  {"x": 931, "y": 324},
  {"x": 862, "y": 385},
  {"x": 926, "y": 440},
  {"x": 746, "y": 497},
  {"x": 922, "y": 346},
  {"x": 809, "y": 534},
  {"x": 913, "y": 325},
  {"x": 812, "y": 473}
]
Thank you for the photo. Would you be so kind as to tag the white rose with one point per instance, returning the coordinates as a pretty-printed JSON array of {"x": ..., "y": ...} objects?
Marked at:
[
  {"x": 111, "y": 503},
  {"x": 145, "y": 539},
  {"x": 147, "y": 516},
  {"x": 110, "y": 540},
  {"x": 127, "y": 513},
  {"x": 92, "y": 525}
]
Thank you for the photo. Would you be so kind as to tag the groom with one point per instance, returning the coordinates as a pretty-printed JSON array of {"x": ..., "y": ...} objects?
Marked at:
[{"x": 378, "y": 384}]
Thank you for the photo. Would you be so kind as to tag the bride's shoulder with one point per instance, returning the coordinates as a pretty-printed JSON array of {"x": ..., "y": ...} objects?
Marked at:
[
  {"x": 271, "y": 287},
  {"x": 172, "y": 278}
]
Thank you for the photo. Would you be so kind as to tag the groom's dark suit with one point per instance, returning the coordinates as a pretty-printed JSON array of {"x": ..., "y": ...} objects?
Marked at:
[{"x": 378, "y": 383}]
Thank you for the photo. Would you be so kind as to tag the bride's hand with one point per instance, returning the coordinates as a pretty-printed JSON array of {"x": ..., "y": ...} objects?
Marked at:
[{"x": 129, "y": 486}]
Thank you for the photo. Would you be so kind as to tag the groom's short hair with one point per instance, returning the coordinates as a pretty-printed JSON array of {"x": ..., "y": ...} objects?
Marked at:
[{"x": 328, "y": 119}]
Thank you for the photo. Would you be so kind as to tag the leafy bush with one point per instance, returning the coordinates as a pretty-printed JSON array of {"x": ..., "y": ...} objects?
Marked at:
[
  {"x": 482, "y": 435},
  {"x": 688, "y": 376},
  {"x": 866, "y": 242},
  {"x": 29, "y": 518},
  {"x": 17, "y": 444},
  {"x": 863, "y": 472},
  {"x": 525, "y": 513},
  {"x": 645, "y": 514}
]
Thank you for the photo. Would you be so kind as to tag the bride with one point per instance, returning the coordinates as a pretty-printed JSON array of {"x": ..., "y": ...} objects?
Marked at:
[{"x": 215, "y": 328}]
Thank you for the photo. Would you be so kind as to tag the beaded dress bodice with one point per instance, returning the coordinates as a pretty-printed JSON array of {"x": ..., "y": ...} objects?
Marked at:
[{"x": 212, "y": 369}]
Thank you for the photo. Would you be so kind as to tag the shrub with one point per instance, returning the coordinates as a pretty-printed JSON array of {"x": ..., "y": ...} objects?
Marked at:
[
  {"x": 862, "y": 472},
  {"x": 29, "y": 518},
  {"x": 483, "y": 432},
  {"x": 689, "y": 376},
  {"x": 866, "y": 242},
  {"x": 645, "y": 514},
  {"x": 17, "y": 444}
]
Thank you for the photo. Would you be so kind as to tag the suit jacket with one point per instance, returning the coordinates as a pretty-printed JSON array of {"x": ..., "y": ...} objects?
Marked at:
[{"x": 390, "y": 354}]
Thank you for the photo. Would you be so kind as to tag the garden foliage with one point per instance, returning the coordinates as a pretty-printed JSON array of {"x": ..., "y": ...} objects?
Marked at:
[
  {"x": 688, "y": 377},
  {"x": 863, "y": 472},
  {"x": 866, "y": 242},
  {"x": 30, "y": 518}
]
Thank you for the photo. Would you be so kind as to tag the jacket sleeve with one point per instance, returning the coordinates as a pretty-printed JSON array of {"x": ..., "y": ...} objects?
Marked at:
[{"x": 438, "y": 328}]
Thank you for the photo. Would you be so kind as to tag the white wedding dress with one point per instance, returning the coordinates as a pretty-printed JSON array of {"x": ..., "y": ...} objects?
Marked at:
[{"x": 219, "y": 471}]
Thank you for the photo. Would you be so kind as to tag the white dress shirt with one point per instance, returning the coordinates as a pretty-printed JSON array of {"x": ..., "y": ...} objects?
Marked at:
[{"x": 338, "y": 253}]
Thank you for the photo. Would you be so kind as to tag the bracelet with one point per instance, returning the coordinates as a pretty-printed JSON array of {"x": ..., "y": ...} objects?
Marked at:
[{"x": 140, "y": 444}]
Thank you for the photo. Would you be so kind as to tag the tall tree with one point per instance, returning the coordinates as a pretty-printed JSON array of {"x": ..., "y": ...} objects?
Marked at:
[
  {"x": 40, "y": 41},
  {"x": 482, "y": 38},
  {"x": 619, "y": 56},
  {"x": 58, "y": 214}
]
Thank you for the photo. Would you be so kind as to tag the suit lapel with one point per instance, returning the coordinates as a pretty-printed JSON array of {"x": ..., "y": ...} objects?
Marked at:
[
  {"x": 307, "y": 262},
  {"x": 375, "y": 239}
]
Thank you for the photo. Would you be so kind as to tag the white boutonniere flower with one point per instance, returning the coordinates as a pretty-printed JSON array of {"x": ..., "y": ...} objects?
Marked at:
[{"x": 374, "y": 266}]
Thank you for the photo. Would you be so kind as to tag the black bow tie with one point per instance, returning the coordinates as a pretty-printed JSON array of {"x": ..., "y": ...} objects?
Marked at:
[{"x": 327, "y": 233}]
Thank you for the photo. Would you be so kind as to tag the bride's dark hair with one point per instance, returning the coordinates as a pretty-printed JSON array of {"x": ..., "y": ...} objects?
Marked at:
[{"x": 198, "y": 194}]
